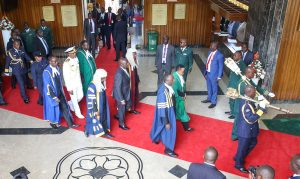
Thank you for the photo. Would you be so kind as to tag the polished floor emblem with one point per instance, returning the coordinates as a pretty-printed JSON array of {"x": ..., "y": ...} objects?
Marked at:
[{"x": 100, "y": 163}]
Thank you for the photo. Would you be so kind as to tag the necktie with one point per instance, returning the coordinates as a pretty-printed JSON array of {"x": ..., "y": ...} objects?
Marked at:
[
  {"x": 109, "y": 19},
  {"x": 91, "y": 26},
  {"x": 244, "y": 56},
  {"x": 164, "y": 54},
  {"x": 209, "y": 59}
]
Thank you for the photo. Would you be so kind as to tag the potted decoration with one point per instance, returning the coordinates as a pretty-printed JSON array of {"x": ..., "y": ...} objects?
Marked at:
[
  {"x": 260, "y": 73},
  {"x": 6, "y": 26}
]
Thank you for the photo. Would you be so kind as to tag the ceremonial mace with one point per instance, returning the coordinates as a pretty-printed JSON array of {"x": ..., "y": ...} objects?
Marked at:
[{"x": 233, "y": 94}]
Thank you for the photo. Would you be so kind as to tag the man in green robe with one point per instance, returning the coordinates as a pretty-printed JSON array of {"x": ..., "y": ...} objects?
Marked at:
[
  {"x": 180, "y": 96},
  {"x": 86, "y": 64},
  {"x": 28, "y": 36},
  {"x": 184, "y": 56},
  {"x": 47, "y": 33},
  {"x": 249, "y": 74},
  {"x": 234, "y": 79}
]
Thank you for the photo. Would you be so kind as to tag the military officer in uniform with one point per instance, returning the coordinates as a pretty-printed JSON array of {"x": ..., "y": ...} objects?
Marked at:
[
  {"x": 234, "y": 79},
  {"x": 37, "y": 69},
  {"x": 184, "y": 56},
  {"x": 249, "y": 74},
  {"x": 248, "y": 127},
  {"x": 17, "y": 59}
]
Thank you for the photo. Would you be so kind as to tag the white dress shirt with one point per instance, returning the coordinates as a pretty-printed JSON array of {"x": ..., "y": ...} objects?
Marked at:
[{"x": 93, "y": 25}]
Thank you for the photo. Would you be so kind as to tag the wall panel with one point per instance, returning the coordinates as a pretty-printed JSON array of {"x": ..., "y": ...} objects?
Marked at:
[
  {"x": 31, "y": 11},
  {"x": 286, "y": 81},
  {"x": 196, "y": 27}
]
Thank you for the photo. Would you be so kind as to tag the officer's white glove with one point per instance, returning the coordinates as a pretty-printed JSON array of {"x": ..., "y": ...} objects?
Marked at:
[
  {"x": 244, "y": 78},
  {"x": 272, "y": 95},
  {"x": 262, "y": 104},
  {"x": 260, "y": 98}
]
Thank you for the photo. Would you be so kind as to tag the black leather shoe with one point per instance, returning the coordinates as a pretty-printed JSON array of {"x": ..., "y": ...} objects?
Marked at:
[
  {"x": 116, "y": 60},
  {"x": 54, "y": 126},
  {"x": 241, "y": 169},
  {"x": 3, "y": 104},
  {"x": 74, "y": 126},
  {"x": 231, "y": 117},
  {"x": 107, "y": 135},
  {"x": 134, "y": 112},
  {"x": 227, "y": 112},
  {"x": 29, "y": 87},
  {"x": 205, "y": 101},
  {"x": 13, "y": 87},
  {"x": 171, "y": 154},
  {"x": 156, "y": 142},
  {"x": 40, "y": 103},
  {"x": 124, "y": 127},
  {"x": 116, "y": 117},
  {"x": 189, "y": 129},
  {"x": 26, "y": 101},
  {"x": 212, "y": 106},
  {"x": 234, "y": 138}
]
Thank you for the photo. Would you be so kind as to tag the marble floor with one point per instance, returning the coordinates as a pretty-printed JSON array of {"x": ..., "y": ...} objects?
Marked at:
[{"x": 69, "y": 154}]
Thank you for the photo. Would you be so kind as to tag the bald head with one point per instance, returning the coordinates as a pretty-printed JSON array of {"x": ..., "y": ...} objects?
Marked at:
[
  {"x": 123, "y": 63},
  {"x": 265, "y": 172},
  {"x": 211, "y": 155},
  {"x": 295, "y": 164},
  {"x": 169, "y": 79}
]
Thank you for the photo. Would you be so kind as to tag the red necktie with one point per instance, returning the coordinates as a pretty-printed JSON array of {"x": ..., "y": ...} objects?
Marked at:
[{"x": 210, "y": 58}]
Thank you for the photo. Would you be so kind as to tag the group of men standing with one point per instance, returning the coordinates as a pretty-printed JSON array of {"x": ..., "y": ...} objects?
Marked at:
[
  {"x": 23, "y": 55},
  {"x": 106, "y": 26}
]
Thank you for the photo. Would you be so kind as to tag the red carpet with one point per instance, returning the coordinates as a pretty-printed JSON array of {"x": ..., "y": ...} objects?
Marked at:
[{"x": 273, "y": 148}]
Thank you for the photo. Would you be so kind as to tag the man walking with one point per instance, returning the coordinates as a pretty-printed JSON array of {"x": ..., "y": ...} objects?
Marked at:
[
  {"x": 90, "y": 33},
  {"x": 165, "y": 56},
  {"x": 120, "y": 37}
]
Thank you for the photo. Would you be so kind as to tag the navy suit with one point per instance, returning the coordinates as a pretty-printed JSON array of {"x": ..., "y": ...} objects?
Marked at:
[
  {"x": 39, "y": 46},
  {"x": 120, "y": 37},
  {"x": 248, "y": 130},
  {"x": 204, "y": 171},
  {"x": 248, "y": 57},
  {"x": 109, "y": 27},
  {"x": 37, "y": 69},
  {"x": 216, "y": 71},
  {"x": 121, "y": 92},
  {"x": 17, "y": 59}
]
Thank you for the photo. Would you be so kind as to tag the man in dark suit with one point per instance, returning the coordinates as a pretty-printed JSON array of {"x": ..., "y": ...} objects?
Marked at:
[
  {"x": 90, "y": 33},
  {"x": 41, "y": 44},
  {"x": 121, "y": 92},
  {"x": 109, "y": 19},
  {"x": 207, "y": 170},
  {"x": 101, "y": 22},
  {"x": 213, "y": 73},
  {"x": 247, "y": 127},
  {"x": 120, "y": 37},
  {"x": 247, "y": 54},
  {"x": 164, "y": 61},
  {"x": 295, "y": 166}
]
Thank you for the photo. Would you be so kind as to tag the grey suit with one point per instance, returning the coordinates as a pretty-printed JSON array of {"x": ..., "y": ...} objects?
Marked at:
[
  {"x": 89, "y": 36},
  {"x": 164, "y": 68},
  {"x": 121, "y": 92}
]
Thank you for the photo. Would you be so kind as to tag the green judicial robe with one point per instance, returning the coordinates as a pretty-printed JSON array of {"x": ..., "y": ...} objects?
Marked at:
[
  {"x": 28, "y": 39},
  {"x": 241, "y": 90},
  {"x": 48, "y": 35},
  {"x": 233, "y": 83},
  {"x": 179, "y": 99},
  {"x": 87, "y": 68},
  {"x": 184, "y": 58}
]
